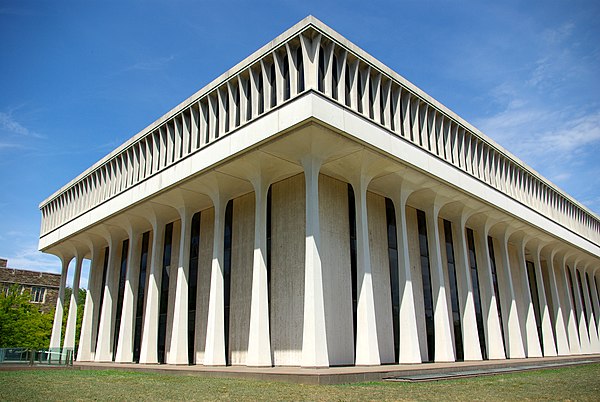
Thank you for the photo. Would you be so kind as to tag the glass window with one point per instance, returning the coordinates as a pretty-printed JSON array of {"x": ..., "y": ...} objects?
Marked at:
[
  {"x": 427, "y": 291},
  {"x": 38, "y": 294},
  {"x": 393, "y": 256},
  {"x": 495, "y": 283},
  {"x": 164, "y": 293},
  {"x": 533, "y": 290},
  {"x": 139, "y": 310},
  {"x": 121, "y": 292},
  {"x": 476, "y": 292},
  {"x": 453, "y": 291}
]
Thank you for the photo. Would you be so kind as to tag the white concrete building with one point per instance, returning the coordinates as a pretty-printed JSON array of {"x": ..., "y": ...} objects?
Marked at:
[{"x": 310, "y": 207}]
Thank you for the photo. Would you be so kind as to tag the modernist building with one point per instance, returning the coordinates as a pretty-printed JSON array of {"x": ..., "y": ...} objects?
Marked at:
[
  {"x": 43, "y": 287},
  {"x": 310, "y": 207}
]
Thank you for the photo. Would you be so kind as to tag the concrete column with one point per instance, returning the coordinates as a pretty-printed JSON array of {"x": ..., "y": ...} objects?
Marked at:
[
  {"x": 149, "y": 346},
  {"x": 125, "y": 347},
  {"x": 69, "y": 341},
  {"x": 214, "y": 351},
  {"x": 179, "y": 334},
  {"x": 409, "y": 337},
  {"x": 512, "y": 327},
  {"x": 86, "y": 340},
  {"x": 106, "y": 327},
  {"x": 314, "y": 335},
  {"x": 444, "y": 347},
  {"x": 562, "y": 343},
  {"x": 489, "y": 305},
  {"x": 592, "y": 330},
  {"x": 259, "y": 339},
  {"x": 532, "y": 341},
  {"x": 58, "y": 312},
  {"x": 574, "y": 342},
  {"x": 584, "y": 338},
  {"x": 464, "y": 282},
  {"x": 546, "y": 324}
]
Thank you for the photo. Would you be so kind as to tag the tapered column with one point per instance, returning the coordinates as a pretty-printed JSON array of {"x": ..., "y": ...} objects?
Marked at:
[
  {"x": 179, "y": 336},
  {"x": 73, "y": 305},
  {"x": 512, "y": 326},
  {"x": 562, "y": 342},
  {"x": 409, "y": 337},
  {"x": 591, "y": 323},
  {"x": 444, "y": 347},
  {"x": 489, "y": 304},
  {"x": 584, "y": 338},
  {"x": 58, "y": 312},
  {"x": 149, "y": 348},
  {"x": 106, "y": 327},
  {"x": 314, "y": 334},
  {"x": 125, "y": 347},
  {"x": 546, "y": 324},
  {"x": 259, "y": 340},
  {"x": 90, "y": 316},
  {"x": 532, "y": 340},
  {"x": 471, "y": 340},
  {"x": 569, "y": 297},
  {"x": 214, "y": 354}
]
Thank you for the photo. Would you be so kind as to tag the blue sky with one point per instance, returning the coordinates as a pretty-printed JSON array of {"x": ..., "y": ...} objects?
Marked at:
[{"x": 78, "y": 78}]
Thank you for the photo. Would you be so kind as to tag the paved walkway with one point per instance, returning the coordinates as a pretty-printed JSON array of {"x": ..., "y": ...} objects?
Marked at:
[{"x": 348, "y": 374}]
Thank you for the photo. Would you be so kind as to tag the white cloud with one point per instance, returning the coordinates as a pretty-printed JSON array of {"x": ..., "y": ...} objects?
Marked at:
[{"x": 9, "y": 124}]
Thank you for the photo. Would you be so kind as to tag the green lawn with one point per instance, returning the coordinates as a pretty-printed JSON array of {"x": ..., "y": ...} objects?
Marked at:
[{"x": 572, "y": 383}]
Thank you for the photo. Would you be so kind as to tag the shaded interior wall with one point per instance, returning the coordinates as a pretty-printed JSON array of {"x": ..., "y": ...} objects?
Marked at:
[
  {"x": 242, "y": 257},
  {"x": 415, "y": 269},
  {"x": 207, "y": 223},
  {"x": 288, "y": 229},
  {"x": 172, "y": 284},
  {"x": 380, "y": 269},
  {"x": 337, "y": 278}
]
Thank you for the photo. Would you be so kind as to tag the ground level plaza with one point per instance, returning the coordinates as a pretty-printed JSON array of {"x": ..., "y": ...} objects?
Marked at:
[{"x": 310, "y": 207}]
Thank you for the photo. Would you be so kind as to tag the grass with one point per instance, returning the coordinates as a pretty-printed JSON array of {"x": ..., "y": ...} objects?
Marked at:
[{"x": 581, "y": 383}]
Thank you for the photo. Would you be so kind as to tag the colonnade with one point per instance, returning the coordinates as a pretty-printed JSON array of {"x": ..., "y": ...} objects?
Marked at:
[{"x": 316, "y": 271}]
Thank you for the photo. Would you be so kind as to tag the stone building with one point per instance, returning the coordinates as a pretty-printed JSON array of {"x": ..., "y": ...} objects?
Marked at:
[
  {"x": 42, "y": 286},
  {"x": 311, "y": 207}
]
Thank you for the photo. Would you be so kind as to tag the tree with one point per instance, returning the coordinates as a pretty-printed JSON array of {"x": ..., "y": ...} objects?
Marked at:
[{"x": 21, "y": 323}]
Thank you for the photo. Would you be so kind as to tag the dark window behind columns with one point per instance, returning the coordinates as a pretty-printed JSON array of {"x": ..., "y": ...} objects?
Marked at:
[
  {"x": 458, "y": 343},
  {"x": 164, "y": 293},
  {"x": 583, "y": 306},
  {"x": 121, "y": 292},
  {"x": 227, "y": 273},
  {"x": 427, "y": 291},
  {"x": 352, "y": 221},
  {"x": 393, "y": 257},
  {"x": 476, "y": 293},
  {"x": 587, "y": 278},
  {"x": 103, "y": 285},
  {"x": 139, "y": 309},
  {"x": 193, "y": 284},
  {"x": 495, "y": 283},
  {"x": 533, "y": 290},
  {"x": 570, "y": 280}
]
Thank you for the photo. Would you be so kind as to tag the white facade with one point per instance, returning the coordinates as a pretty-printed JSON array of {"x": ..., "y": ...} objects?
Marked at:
[{"x": 311, "y": 207}]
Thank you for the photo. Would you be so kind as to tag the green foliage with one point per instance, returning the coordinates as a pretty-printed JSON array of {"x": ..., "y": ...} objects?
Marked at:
[{"x": 21, "y": 323}]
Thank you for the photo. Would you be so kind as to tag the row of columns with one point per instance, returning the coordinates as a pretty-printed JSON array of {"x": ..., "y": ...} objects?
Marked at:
[{"x": 567, "y": 333}]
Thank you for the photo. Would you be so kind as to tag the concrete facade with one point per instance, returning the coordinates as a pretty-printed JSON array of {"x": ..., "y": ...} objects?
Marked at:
[{"x": 312, "y": 208}]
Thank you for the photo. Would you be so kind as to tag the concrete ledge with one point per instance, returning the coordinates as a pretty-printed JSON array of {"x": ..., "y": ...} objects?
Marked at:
[{"x": 334, "y": 375}]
